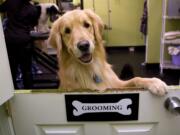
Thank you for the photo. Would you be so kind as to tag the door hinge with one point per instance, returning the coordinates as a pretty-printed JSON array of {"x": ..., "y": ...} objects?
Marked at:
[{"x": 8, "y": 109}]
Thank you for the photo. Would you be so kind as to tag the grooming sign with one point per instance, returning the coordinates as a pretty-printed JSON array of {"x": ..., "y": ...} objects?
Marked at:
[{"x": 102, "y": 107}]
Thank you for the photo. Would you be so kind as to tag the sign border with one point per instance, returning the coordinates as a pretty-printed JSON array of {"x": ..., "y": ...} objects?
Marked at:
[{"x": 101, "y": 98}]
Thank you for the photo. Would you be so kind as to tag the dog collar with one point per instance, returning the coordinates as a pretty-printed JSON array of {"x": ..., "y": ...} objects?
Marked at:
[{"x": 97, "y": 79}]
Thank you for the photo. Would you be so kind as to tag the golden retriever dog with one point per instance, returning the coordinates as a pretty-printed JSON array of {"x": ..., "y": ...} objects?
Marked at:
[{"x": 77, "y": 35}]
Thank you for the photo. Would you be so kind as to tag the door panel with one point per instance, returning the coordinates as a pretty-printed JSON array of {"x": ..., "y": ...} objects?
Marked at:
[
  {"x": 45, "y": 114},
  {"x": 131, "y": 129},
  {"x": 6, "y": 86},
  {"x": 60, "y": 130}
]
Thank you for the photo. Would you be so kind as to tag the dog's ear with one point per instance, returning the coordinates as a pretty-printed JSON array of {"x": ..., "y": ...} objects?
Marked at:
[
  {"x": 97, "y": 24},
  {"x": 55, "y": 37}
]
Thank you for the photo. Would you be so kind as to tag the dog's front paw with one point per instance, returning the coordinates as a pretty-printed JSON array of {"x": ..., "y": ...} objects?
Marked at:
[{"x": 157, "y": 87}]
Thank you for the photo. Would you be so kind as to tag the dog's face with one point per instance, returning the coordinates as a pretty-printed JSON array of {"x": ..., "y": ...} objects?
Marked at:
[
  {"x": 78, "y": 32},
  {"x": 78, "y": 35}
]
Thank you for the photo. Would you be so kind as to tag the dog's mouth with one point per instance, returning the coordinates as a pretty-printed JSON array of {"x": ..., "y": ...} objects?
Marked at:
[{"x": 86, "y": 58}]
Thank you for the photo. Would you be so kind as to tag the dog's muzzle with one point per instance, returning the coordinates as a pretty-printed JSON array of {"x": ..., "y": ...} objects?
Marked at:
[{"x": 84, "y": 47}]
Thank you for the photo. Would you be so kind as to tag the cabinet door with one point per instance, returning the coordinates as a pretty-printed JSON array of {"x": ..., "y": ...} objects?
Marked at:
[
  {"x": 6, "y": 85},
  {"x": 45, "y": 114}
]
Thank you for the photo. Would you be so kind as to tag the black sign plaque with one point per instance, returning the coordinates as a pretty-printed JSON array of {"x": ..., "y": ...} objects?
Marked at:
[{"x": 102, "y": 107}]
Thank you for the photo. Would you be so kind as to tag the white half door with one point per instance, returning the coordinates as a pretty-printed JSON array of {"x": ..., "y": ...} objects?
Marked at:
[
  {"x": 6, "y": 85},
  {"x": 45, "y": 114}
]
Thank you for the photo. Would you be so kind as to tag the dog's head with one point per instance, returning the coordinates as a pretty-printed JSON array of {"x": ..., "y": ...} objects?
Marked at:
[
  {"x": 50, "y": 10},
  {"x": 78, "y": 33}
]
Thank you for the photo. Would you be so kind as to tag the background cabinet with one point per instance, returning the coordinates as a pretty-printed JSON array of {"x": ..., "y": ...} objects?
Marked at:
[{"x": 170, "y": 22}]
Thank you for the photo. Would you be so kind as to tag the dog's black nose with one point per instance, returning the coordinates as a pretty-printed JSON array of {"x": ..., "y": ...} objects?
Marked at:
[{"x": 83, "y": 45}]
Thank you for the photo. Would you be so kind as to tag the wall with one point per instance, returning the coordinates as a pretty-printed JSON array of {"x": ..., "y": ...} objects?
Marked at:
[
  {"x": 125, "y": 19},
  {"x": 75, "y": 2},
  {"x": 154, "y": 30}
]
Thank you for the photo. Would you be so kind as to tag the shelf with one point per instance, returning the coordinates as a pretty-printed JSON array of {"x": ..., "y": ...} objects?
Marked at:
[
  {"x": 172, "y": 17},
  {"x": 169, "y": 65},
  {"x": 171, "y": 38},
  {"x": 172, "y": 42}
]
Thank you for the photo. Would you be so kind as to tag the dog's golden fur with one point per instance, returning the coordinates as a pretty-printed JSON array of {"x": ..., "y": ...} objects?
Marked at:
[{"x": 91, "y": 71}]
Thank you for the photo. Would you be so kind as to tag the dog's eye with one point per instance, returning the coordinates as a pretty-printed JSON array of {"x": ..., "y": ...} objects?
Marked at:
[
  {"x": 86, "y": 25},
  {"x": 67, "y": 30}
]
